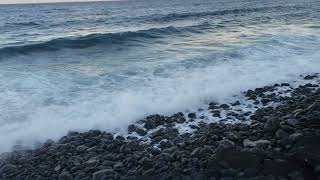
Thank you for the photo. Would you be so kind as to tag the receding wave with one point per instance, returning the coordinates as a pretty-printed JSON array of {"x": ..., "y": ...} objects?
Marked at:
[
  {"x": 101, "y": 39},
  {"x": 178, "y": 16}
]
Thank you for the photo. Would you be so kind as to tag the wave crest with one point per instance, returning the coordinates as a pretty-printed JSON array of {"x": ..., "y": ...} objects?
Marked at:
[{"x": 100, "y": 39}]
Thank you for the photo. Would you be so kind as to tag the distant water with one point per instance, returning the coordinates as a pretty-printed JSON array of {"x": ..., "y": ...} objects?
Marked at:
[{"x": 81, "y": 66}]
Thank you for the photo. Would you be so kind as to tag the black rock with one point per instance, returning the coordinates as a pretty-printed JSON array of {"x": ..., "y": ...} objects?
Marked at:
[
  {"x": 166, "y": 144},
  {"x": 141, "y": 132},
  {"x": 265, "y": 100},
  {"x": 192, "y": 115},
  {"x": 285, "y": 84},
  {"x": 309, "y": 77},
  {"x": 82, "y": 148},
  {"x": 236, "y": 103},
  {"x": 225, "y": 144},
  {"x": 271, "y": 124},
  {"x": 154, "y": 121},
  {"x": 224, "y": 106}
]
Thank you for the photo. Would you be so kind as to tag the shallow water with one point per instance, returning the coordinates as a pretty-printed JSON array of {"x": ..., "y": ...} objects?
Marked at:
[{"x": 81, "y": 66}]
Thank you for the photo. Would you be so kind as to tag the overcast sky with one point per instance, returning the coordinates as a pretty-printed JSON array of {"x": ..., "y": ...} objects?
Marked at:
[{"x": 36, "y": 1}]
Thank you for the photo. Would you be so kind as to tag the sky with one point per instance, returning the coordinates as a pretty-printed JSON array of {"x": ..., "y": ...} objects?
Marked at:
[{"x": 37, "y": 1}]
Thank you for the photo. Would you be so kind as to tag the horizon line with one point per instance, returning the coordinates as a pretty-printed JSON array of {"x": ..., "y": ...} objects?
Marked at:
[{"x": 68, "y": 1}]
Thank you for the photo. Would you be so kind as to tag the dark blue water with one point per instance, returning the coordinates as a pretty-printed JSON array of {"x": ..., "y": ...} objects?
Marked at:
[{"x": 78, "y": 66}]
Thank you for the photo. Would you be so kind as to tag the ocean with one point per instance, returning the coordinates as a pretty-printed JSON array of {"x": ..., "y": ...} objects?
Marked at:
[{"x": 104, "y": 65}]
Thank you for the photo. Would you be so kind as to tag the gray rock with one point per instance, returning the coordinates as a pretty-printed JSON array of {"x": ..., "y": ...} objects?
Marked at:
[
  {"x": 195, "y": 152},
  {"x": 92, "y": 161},
  {"x": 291, "y": 122},
  {"x": 258, "y": 143},
  {"x": 65, "y": 176},
  {"x": 108, "y": 163},
  {"x": 76, "y": 160},
  {"x": 295, "y": 136},
  {"x": 82, "y": 148},
  {"x": 231, "y": 136},
  {"x": 7, "y": 168},
  {"x": 102, "y": 174},
  {"x": 57, "y": 168},
  {"x": 280, "y": 134},
  {"x": 148, "y": 172},
  {"x": 118, "y": 166},
  {"x": 225, "y": 144}
]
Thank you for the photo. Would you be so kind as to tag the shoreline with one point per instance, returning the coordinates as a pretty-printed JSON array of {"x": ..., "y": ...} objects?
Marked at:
[{"x": 278, "y": 138}]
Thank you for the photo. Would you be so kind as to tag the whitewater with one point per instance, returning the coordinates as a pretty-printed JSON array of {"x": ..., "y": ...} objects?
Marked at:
[{"x": 104, "y": 65}]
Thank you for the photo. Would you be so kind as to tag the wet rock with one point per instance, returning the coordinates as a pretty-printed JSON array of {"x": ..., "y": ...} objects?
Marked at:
[
  {"x": 236, "y": 103},
  {"x": 140, "y": 131},
  {"x": 213, "y": 106},
  {"x": 224, "y": 106},
  {"x": 132, "y": 128},
  {"x": 285, "y": 84},
  {"x": 310, "y": 77},
  {"x": 154, "y": 121},
  {"x": 216, "y": 113},
  {"x": 192, "y": 115},
  {"x": 120, "y": 138},
  {"x": 265, "y": 100}
]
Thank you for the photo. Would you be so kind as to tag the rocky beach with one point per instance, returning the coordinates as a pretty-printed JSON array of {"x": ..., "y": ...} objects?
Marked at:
[{"x": 278, "y": 139}]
